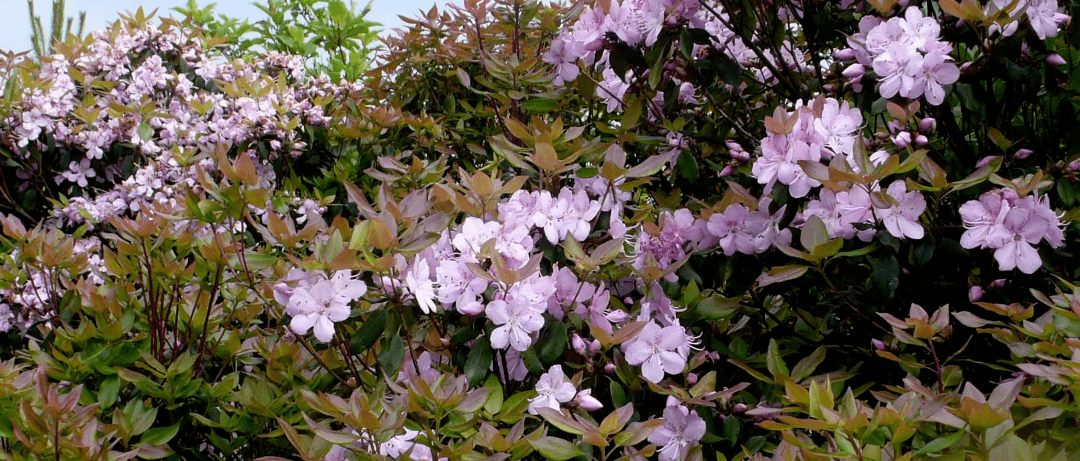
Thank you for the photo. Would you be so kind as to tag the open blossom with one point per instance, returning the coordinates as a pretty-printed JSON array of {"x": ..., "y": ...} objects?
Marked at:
[
  {"x": 320, "y": 303},
  {"x": 902, "y": 219},
  {"x": 681, "y": 428},
  {"x": 517, "y": 320},
  {"x": 658, "y": 351},
  {"x": 418, "y": 281},
  {"x": 552, "y": 390},
  {"x": 1012, "y": 226}
]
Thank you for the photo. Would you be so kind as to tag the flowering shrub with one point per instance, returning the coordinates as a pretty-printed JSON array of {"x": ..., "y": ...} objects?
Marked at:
[{"x": 681, "y": 230}]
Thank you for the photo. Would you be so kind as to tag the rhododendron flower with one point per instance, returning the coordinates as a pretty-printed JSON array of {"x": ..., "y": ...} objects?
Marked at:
[
  {"x": 321, "y": 304},
  {"x": 552, "y": 390},
  {"x": 902, "y": 219},
  {"x": 403, "y": 445},
  {"x": 518, "y": 320},
  {"x": 1011, "y": 225},
  {"x": 1045, "y": 17},
  {"x": 419, "y": 283},
  {"x": 657, "y": 350},
  {"x": 681, "y": 428}
]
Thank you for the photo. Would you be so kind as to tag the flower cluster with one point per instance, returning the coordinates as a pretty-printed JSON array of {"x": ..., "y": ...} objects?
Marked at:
[
  {"x": 812, "y": 132},
  {"x": 854, "y": 213},
  {"x": 553, "y": 390},
  {"x": 1044, "y": 16},
  {"x": 131, "y": 91},
  {"x": 316, "y": 301},
  {"x": 1010, "y": 225},
  {"x": 907, "y": 55}
]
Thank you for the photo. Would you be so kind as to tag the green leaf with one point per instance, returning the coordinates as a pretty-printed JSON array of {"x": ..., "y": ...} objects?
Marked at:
[
  {"x": 338, "y": 11},
  {"x": 553, "y": 343},
  {"x": 390, "y": 358},
  {"x": 688, "y": 166},
  {"x": 774, "y": 362},
  {"x": 478, "y": 362},
  {"x": 160, "y": 435},
  {"x": 807, "y": 365},
  {"x": 107, "y": 393},
  {"x": 814, "y": 233},
  {"x": 885, "y": 275},
  {"x": 939, "y": 444},
  {"x": 781, "y": 274},
  {"x": 540, "y": 105},
  {"x": 369, "y": 332},
  {"x": 556, "y": 449}
]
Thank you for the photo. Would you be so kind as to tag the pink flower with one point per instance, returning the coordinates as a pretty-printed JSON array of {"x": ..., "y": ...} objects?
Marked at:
[
  {"x": 323, "y": 303},
  {"x": 681, "y": 428},
  {"x": 901, "y": 220},
  {"x": 517, "y": 319},
  {"x": 657, "y": 350},
  {"x": 1044, "y": 17},
  {"x": 552, "y": 390},
  {"x": 1010, "y": 225}
]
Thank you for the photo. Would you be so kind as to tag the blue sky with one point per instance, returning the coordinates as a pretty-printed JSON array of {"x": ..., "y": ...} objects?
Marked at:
[{"x": 15, "y": 23}]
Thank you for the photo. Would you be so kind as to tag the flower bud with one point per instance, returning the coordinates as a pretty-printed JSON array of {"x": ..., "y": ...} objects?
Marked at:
[
  {"x": 902, "y": 139},
  {"x": 1055, "y": 60},
  {"x": 854, "y": 71},
  {"x": 578, "y": 344},
  {"x": 877, "y": 344},
  {"x": 921, "y": 140},
  {"x": 586, "y": 401},
  {"x": 691, "y": 378},
  {"x": 732, "y": 145},
  {"x": 927, "y": 124},
  {"x": 845, "y": 54},
  {"x": 975, "y": 293},
  {"x": 998, "y": 283},
  {"x": 739, "y": 408},
  {"x": 829, "y": 88},
  {"x": 1022, "y": 154},
  {"x": 1074, "y": 165},
  {"x": 609, "y": 368},
  {"x": 594, "y": 346},
  {"x": 726, "y": 171}
]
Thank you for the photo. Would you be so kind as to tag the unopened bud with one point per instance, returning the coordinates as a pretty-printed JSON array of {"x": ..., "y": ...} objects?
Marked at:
[
  {"x": 594, "y": 346},
  {"x": 691, "y": 378},
  {"x": 732, "y": 145},
  {"x": 1022, "y": 154},
  {"x": 1074, "y": 165},
  {"x": 998, "y": 283},
  {"x": 1055, "y": 60},
  {"x": 975, "y": 293},
  {"x": 902, "y": 139},
  {"x": 586, "y": 401},
  {"x": 878, "y": 344},
  {"x": 727, "y": 171},
  {"x": 921, "y": 140},
  {"x": 854, "y": 71},
  {"x": 578, "y": 344},
  {"x": 829, "y": 88},
  {"x": 609, "y": 368},
  {"x": 739, "y": 408},
  {"x": 845, "y": 54},
  {"x": 927, "y": 124}
]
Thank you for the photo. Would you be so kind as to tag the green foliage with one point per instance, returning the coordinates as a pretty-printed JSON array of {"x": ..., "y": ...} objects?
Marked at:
[{"x": 59, "y": 28}]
